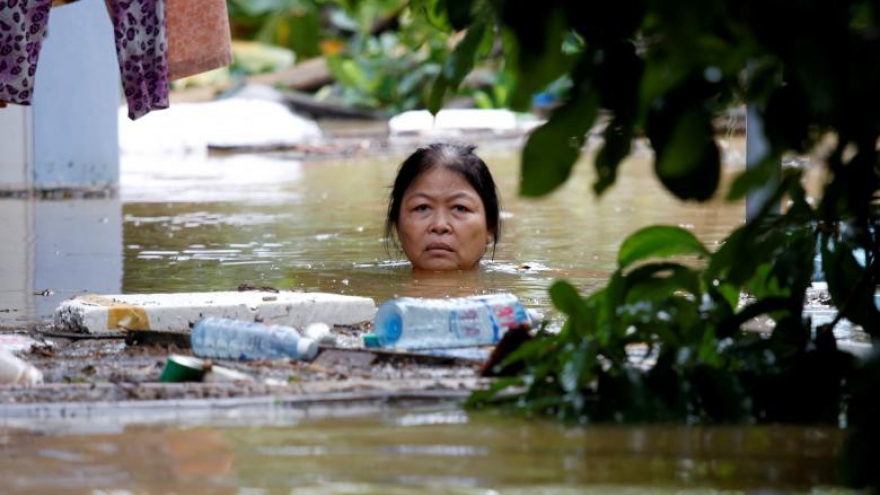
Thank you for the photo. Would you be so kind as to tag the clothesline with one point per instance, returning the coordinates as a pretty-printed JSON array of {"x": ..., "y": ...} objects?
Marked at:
[{"x": 141, "y": 40}]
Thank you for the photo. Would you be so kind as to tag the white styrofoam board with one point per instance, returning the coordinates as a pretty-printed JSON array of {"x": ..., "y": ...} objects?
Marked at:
[{"x": 178, "y": 311}]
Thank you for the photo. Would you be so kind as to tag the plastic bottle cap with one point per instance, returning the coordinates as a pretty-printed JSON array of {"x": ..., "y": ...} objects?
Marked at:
[
  {"x": 388, "y": 322},
  {"x": 184, "y": 369},
  {"x": 307, "y": 349},
  {"x": 15, "y": 370},
  {"x": 371, "y": 340}
]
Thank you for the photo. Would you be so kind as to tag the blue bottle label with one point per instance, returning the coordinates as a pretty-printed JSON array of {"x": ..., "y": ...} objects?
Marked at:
[{"x": 473, "y": 324}]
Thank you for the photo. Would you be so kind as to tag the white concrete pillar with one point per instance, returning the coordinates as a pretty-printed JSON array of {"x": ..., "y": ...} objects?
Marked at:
[
  {"x": 757, "y": 148},
  {"x": 67, "y": 138},
  {"x": 16, "y": 149}
]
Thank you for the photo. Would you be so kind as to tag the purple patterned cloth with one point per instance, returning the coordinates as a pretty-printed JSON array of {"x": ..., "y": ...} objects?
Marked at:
[
  {"x": 22, "y": 28},
  {"x": 141, "y": 48}
]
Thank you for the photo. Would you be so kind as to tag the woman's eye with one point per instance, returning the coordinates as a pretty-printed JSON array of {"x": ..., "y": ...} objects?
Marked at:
[
  {"x": 420, "y": 208},
  {"x": 461, "y": 208}
]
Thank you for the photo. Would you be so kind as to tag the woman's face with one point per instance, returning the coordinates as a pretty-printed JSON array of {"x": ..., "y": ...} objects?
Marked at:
[{"x": 442, "y": 222}]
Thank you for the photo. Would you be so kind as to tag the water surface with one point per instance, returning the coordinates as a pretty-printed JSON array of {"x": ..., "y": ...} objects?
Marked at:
[
  {"x": 197, "y": 223},
  {"x": 416, "y": 451},
  {"x": 192, "y": 225},
  {"x": 207, "y": 223}
]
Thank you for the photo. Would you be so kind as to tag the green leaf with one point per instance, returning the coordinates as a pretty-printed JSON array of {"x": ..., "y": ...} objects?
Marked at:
[
  {"x": 660, "y": 280},
  {"x": 764, "y": 172},
  {"x": 461, "y": 61},
  {"x": 535, "y": 38},
  {"x": 459, "y": 13},
  {"x": 618, "y": 144},
  {"x": 483, "y": 398},
  {"x": 566, "y": 298},
  {"x": 347, "y": 71},
  {"x": 618, "y": 72},
  {"x": 786, "y": 118},
  {"x": 438, "y": 94},
  {"x": 846, "y": 277},
  {"x": 763, "y": 306},
  {"x": 659, "y": 241},
  {"x": 433, "y": 12},
  {"x": 660, "y": 76},
  {"x": 602, "y": 22},
  {"x": 457, "y": 66},
  {"x": 552, "y": 149},
  {"x": 688, "y": 162},
  {"x": 721, "y": 395},
  {"x": 577, "y": 367}
]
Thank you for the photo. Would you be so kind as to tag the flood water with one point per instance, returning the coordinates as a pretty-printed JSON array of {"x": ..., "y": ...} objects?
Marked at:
[
  {"x": 198, "y": 223},
  {"x": 195, "y": 223},
  {"x": 416, "y": 451},
  {"x": 318, "y": 226}
]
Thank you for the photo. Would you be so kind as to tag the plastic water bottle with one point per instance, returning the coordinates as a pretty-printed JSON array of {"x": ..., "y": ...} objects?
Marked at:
[
  {"x": 15, "y": 370},
  {"x": 421, "y": 323},
  {"x": 226, "y": 338}
]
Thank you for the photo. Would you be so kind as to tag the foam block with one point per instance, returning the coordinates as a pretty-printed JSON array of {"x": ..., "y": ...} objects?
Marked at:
[{"x": 178, "y": 311}]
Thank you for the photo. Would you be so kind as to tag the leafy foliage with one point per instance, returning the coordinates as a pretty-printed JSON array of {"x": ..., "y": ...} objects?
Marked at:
[
  {"x": 664, "y": 70},
  {"x": 293, "y": 24},
  {"x": 663, "y": 341},
  {"x": 391, "y": 55}
]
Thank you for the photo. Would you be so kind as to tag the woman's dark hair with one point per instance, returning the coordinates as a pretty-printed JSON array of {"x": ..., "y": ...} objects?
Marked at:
[{"x": 458, "y": 157}]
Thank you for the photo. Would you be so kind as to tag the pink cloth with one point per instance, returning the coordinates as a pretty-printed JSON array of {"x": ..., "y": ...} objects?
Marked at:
[
  {"x": 22, "y": 29},
  {"x": 198, "y": 36}
]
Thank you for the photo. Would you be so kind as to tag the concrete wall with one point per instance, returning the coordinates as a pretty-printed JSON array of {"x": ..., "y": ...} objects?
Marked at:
[
  {"x": 67, "y": 138},
  {"x": 16, "y": 148}
]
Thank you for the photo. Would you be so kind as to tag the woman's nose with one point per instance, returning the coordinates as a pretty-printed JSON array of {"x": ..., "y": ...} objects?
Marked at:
[{"x": 440, "y": 224}]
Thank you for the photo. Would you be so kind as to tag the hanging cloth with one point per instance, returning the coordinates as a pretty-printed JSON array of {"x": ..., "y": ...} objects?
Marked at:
[
  {"x": 139, "y": 29},
  {"x": 22, "y": 29},
  {"x": 198, "y": 36}
]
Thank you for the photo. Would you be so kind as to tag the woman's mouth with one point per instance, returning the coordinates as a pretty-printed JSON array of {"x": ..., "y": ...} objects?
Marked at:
[{"x": 438, "y": 246}]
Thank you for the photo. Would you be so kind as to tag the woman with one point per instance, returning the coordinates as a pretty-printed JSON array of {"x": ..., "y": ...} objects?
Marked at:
[{"x": 443, "y": 208}]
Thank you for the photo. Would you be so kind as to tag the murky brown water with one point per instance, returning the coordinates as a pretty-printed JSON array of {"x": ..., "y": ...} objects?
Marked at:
[
  {"x": 202, "y": 224},
  {"x": 317, "y": 226},
  {"x": 413, "y": 451},
  {"x": 187, "y": 224}
]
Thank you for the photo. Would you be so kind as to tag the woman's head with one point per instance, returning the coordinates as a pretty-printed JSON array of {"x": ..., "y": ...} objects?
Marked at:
[{"x": 443, "y": 208}]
